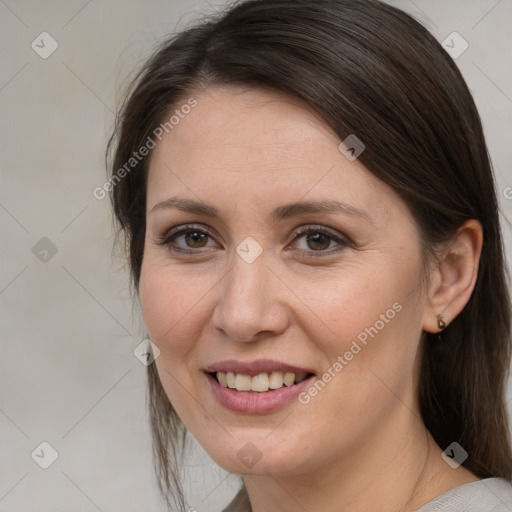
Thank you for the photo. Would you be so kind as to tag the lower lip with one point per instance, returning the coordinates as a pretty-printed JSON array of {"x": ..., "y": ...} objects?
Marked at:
[{"x": 254, "y": 402}]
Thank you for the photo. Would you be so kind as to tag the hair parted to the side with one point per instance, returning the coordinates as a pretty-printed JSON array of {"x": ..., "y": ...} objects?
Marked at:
[{"x": 368, "y": 69}]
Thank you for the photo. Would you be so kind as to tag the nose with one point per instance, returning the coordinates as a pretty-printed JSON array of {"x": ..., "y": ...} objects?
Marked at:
[{"x": 251, "y": 303}]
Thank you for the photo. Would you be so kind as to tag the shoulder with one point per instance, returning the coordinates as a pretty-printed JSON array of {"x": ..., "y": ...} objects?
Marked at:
[{"x": 487, "y": 495}]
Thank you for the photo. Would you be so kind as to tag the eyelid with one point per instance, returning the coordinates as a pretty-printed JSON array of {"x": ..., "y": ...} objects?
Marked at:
[
  {"x": 333, "y": 233},
  {"x": 188, "y": 227}
]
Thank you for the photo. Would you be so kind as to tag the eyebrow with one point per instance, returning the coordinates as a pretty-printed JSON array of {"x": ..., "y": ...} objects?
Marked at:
[
  {"x": 280, "y": 213},
  {"x": 327, "y": 206},
  {"x": 187, "y": 205}
]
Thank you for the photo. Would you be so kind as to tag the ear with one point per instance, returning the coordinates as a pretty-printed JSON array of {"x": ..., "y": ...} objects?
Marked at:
[{"x": 453, "y": 281}]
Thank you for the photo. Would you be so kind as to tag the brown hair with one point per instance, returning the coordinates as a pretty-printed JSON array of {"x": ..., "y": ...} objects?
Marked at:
[{"x": 368, "y": 69}]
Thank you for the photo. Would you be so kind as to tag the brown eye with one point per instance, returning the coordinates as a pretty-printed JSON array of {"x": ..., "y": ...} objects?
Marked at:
[
  {"x": 196, "y": 239},
  {"x": 318, "y": 241},
  {"x": 188, "y": 239}
]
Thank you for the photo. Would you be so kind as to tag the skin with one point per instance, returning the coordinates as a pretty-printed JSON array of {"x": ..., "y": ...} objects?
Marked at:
[{"x": 359, "y": 442}]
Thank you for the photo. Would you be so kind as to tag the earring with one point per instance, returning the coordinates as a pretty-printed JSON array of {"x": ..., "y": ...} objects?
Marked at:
[{"x": 440, "y": 322}]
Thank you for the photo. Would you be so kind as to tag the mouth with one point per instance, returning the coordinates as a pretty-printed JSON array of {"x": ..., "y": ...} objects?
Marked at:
[
  {"x": 258, "y": 387},
  {"x": 260, "y": 383}
]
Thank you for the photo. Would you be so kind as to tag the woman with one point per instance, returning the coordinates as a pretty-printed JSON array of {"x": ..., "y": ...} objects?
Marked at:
[{"x": 313, "y": 234}]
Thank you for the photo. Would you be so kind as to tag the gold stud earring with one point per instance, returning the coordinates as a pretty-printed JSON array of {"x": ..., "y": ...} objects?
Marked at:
[{"x": 440, "y": 322}]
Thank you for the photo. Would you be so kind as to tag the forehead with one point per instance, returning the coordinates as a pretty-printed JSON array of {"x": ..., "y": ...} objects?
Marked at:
[{"x": 263, "y": 147}]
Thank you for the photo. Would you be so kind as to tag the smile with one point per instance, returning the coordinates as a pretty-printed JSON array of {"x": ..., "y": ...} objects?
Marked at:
[
  {"x": 257, "y": 387},
  {"x": 259, "y": 383}
]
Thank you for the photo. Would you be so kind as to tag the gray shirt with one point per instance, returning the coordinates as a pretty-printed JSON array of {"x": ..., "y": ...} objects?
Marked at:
[{"x": 487, "y": 495}]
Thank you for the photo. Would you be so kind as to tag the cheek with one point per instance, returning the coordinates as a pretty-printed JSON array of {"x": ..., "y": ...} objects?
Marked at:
[
  {"x": 368, "y": 325},
  {"x": 173, "y": 302},
  {"x": 174, "y": 308},
  {"x": 360, "y": 302}
]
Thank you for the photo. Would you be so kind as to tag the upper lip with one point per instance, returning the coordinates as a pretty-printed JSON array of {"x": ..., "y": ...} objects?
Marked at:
[{"x": 256, "y": 367}]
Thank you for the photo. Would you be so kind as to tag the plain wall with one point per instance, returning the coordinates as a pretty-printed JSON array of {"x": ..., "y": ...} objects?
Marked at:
[{"x": 68, "y": 374}]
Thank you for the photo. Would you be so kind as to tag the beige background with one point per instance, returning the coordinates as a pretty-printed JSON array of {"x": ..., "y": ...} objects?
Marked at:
[{"x": 68, "y": 374}]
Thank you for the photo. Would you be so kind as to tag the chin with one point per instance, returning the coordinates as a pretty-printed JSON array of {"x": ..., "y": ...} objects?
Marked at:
[{"x": 255, "y": 455}]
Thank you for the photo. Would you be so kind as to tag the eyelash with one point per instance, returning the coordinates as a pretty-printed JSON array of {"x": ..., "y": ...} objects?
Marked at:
[{"x": 168, "y": 239}]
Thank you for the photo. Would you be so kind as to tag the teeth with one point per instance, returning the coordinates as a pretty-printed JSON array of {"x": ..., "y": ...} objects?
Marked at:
[
  {"x": 243, "y": 382},
  {"x": 260, "y": 383},
  {"x": 289, "y": 379},
  {"x": 223, "y": 379},
  {"x": 276, "y": 380},
  {"x": 230, "y": 379}
]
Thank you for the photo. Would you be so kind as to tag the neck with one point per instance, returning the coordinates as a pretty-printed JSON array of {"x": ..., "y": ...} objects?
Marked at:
[{"x": 397, "y": 469}]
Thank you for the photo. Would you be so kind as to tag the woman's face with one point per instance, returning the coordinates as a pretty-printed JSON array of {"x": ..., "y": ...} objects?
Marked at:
[{"x": 269, "y": 252}]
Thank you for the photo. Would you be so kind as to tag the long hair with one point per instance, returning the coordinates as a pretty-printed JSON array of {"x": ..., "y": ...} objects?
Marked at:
[{"x": 368, "y": 69}]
